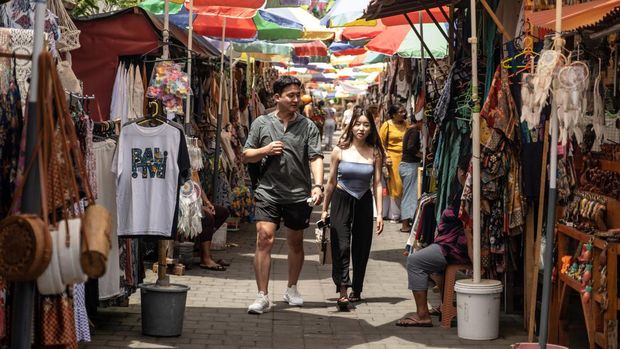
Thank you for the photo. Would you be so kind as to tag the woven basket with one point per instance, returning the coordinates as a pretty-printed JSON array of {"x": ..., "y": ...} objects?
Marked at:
[{"x": 69, "y": 39}]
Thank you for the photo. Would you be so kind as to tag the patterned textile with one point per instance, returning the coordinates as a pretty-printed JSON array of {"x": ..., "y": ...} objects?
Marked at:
[
  {"x": 82, "y": 328},
  {"x": 451, "y": 237},
  {"x": 499, "y": 109},
  {"x": 11, "y": 128},
  {"x": 2, "y": 308},
  {"x": 84, "y": 128},
  {"x": 58, "y": 322},
  {"x": 19, "y": 14}
]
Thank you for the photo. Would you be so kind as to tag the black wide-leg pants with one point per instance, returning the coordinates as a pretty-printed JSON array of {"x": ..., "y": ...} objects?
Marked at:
[{"x": 351, "y": 237}]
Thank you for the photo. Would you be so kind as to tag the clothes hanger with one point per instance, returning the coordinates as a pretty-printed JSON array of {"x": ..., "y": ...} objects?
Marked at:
[
  {"x": 170, "y": 44},
  {"x": 154, "y": 117}
]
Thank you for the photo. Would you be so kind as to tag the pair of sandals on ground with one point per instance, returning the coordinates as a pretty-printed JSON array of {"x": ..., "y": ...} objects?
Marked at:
[
  {"x": 220, "y": 265},
  {"x": 344, "y": 301},
  {"x": 414, "y": 321}
]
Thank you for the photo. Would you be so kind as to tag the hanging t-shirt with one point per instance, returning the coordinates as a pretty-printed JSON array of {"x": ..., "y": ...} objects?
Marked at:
[{"x": 149, "y": 164}]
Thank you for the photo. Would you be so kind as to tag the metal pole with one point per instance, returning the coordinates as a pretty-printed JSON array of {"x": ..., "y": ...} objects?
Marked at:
[
  {"x": 23, "y": 305},
  {"x": 473, "y": 40},
  {"x": 190, "y": 42},
  {"x": 553, "y": 170},
  {"x": 218, "y": 145}
]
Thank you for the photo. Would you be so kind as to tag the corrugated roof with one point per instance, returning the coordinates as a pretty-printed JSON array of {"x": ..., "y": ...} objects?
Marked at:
[
  {"x": 579, "y": 16},
  {"x": 385, "y": 8}
]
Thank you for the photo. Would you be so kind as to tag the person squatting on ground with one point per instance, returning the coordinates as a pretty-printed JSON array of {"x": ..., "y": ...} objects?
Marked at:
[
  {"x": 452, "y": 246},
  {"x": 289, "y": 148},
  {"x": 355, "y": 170}
]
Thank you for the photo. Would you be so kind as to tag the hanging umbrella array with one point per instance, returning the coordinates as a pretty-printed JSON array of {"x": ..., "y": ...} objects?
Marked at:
[
  {"x": 312, "y": 27},
  {"x": 263, "y": 25},
  {"x": 401, "y": 40},
  {"x": 347, "y": 13},
  {"x": 347, "y": 48}
]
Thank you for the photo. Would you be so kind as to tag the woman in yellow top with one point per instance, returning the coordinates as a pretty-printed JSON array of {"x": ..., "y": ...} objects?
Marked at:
[{"x": 391, "y": 133}]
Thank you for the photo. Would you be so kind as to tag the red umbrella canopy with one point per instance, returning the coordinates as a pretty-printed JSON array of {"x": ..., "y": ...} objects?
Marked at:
[
  {"x": 228, "y": 8},
  {"x": 369, "y": 32},
  {"x": 415, "y": 17},
  {"x": 236, "y": 28},
  {"x": 310, "y": 49}
]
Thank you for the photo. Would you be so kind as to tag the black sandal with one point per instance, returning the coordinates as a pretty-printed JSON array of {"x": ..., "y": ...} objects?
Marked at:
[
  {"x": 343, "y": 303},
  {"x": 354, "y": 297}
]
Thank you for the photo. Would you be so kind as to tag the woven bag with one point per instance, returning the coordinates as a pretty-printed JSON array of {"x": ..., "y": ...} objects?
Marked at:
[{"x": 69, "y": 33}]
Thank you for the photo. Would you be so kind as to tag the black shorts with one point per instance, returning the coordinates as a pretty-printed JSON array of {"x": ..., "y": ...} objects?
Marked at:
[{"x": 296, "y": 216}]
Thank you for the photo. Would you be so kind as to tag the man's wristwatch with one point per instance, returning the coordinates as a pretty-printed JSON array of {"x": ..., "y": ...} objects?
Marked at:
[{"x": 318, "y": 186}]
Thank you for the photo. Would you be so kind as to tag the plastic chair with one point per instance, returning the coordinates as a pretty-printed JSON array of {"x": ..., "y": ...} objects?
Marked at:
[{"x": 448, "y": 308}]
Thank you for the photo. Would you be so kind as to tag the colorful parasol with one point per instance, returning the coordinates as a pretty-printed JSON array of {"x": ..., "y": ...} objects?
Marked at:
[
  {"x": 313, "y": 29},
  {"x": 264, "y": 25},
  {"x": 401, "y": 40}
]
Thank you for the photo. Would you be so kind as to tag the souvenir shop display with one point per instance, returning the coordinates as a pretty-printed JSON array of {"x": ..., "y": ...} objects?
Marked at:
[{"x": 170, "y": 85}]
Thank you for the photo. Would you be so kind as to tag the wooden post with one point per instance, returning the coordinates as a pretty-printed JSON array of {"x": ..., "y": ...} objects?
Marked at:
[
  {"x": 162, "y": 278},
  {"x": 496, "y": 20},
  {"x": 528, "y": 256}
]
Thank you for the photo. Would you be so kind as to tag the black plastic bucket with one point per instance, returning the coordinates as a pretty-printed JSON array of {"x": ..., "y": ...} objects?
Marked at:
[{"x": 163, "y": 309}]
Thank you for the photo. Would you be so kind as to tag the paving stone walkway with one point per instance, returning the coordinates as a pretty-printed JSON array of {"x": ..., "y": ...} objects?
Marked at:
[{"x": 216, "y": 315}]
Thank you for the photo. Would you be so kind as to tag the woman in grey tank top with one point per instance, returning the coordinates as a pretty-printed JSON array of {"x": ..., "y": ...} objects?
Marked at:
[{"x": 355, "y": 172}]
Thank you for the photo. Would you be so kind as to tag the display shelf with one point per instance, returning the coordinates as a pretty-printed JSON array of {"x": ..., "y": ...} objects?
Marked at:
[{"x": 601, "y": 323}]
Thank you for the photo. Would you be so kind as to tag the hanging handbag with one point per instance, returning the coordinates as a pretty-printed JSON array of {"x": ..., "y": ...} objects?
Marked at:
[
  {"x": 25, "y": 241},
  {"x": 96, "y": 221}
]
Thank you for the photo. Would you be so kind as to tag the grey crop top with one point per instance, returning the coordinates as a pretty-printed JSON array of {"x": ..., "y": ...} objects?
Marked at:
[{"x": 355, "y": 177}]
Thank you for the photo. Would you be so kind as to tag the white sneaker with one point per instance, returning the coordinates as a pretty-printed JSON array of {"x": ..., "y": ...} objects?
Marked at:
[
  {"x": 292, "y": 296},
  {"x": 261, "y": 305}
]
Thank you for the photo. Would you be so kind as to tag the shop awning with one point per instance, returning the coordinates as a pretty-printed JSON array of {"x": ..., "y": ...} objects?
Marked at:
[
  {"x": 576, "y": 16},
  {"x": 385, "y": 8}
]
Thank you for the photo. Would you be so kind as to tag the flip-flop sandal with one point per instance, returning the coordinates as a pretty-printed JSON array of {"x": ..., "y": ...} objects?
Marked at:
[
  {"x": 223, "y": 263},
  {"x": 404, "y": 231},
  {"x": 216, "y": 267},
  {"x": 412, "y": 322},
  {"x": 343, "y": 303}
]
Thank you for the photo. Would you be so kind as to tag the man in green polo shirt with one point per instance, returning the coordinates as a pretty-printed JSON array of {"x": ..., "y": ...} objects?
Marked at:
[{"x": 288, "y": 148}]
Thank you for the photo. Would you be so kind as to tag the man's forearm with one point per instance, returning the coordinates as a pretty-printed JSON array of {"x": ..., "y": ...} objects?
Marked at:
[
  {"x": 316, "y": 167},
  {"x": 254, "y": 155}
]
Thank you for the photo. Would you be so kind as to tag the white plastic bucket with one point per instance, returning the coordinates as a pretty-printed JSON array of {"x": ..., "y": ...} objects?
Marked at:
[
  {"x": 218, "y": 242},
  {"x": 478, "y": 309}
]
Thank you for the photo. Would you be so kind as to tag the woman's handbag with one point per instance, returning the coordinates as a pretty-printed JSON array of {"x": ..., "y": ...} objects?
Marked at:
[{"x": 25, "y": 247}]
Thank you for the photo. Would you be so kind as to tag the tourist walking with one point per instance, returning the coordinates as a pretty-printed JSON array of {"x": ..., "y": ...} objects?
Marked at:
[
  {"x": 355, "y": 170},
  {"x": 288, "y": 147}
]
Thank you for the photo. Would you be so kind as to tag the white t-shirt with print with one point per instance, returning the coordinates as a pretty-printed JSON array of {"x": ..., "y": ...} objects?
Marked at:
[{"x": 148, "y": 162}]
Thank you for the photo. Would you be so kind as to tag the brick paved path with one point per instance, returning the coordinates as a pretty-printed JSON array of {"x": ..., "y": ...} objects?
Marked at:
[{"x": 216, "y": 315}]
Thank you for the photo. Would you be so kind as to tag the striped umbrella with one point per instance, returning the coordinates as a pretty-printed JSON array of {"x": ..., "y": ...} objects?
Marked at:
[
  {"x": 368, "y": 58},
  {"x": 263, "y": 25},
  {"x": 347, "y": 48},
  {"x": 401, "y": 40}
]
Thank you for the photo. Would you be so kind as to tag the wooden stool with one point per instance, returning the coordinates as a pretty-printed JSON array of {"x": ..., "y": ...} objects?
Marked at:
[{"x": 448, "y": 310}]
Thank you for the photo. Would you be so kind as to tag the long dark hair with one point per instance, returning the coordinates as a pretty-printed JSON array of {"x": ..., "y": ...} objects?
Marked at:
[{"x": 372, "y": 139}]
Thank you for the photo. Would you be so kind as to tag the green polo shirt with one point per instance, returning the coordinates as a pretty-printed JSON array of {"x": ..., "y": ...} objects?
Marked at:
[{"x": 287, "y": 177}]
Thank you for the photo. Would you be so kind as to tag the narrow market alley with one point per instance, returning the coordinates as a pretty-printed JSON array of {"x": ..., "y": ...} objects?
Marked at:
[{"x": 216, "y": 316}]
